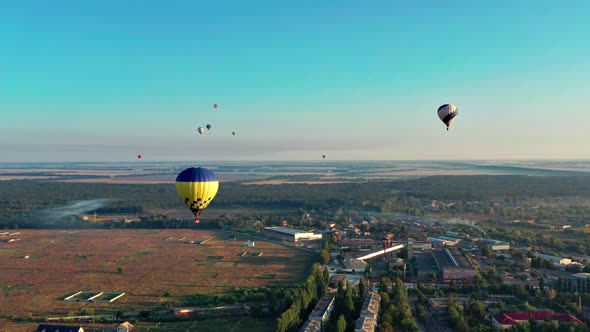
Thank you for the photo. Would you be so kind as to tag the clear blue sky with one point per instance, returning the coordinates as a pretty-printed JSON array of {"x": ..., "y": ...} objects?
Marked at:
[{"x": 104, "y": 80}]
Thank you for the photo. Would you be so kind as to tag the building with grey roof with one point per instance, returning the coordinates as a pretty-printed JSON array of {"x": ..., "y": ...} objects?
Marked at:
[
  {"x": 453, "y": 264},
  {"x": 291, "y": 234}
]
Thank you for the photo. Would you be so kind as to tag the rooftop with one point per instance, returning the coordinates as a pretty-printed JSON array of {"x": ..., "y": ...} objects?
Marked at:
[
  {"x": 448, "y": 258},
  {"x": 286, "y": 230},
  {"x": 354, "y": 264},
  {"x": 371, "y": 304},
  {"x": 322, "y": 306},
  {"x": 448, "y": 238},
  {"x": 311, "y": 326},
  {"x": 364, "y": 324}
]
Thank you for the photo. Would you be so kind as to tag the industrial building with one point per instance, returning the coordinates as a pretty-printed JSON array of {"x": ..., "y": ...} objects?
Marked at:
[
  {"x": 507, "y": 320},
  {"x": 443, "y": 241},
  {"x": 554, "y": 259},
  {"x": 414, "y": 245},
  {"x": 453, "y": 264},
  {"x": 495, "y": 244},
  {"x": 426, "y": 265},
  {"x": 291, "y": 234},
  {"x": 354, "y": 265}
]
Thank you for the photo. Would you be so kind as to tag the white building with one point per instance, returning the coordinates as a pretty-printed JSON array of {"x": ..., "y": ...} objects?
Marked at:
[{"x": 293, "y": 234}]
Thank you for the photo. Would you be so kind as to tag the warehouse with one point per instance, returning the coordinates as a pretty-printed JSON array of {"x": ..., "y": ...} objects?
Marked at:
[
  {"x": 453, "y": 264},
  {"x": 291, "y": 234}
]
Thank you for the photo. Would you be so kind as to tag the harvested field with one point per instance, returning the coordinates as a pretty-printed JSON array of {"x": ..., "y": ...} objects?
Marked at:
[{"x": 141, "y": 263}]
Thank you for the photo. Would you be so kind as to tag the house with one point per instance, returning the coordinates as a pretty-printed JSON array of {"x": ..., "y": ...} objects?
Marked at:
[
  {"x": 250, "y": 243},
  {"x": 507, "y": 320},
  {"x": 59, "y": 328},
  {"x": 125, "y": 327}
]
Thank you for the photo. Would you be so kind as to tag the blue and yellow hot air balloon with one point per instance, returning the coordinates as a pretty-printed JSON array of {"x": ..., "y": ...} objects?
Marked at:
[{"x": 197, "y": 187}]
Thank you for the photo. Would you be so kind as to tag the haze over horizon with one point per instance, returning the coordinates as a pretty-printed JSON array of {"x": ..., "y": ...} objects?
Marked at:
[{"x": 106, "y": 80}]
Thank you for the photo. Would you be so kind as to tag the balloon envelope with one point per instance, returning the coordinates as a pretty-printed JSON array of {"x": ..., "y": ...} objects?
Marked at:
[
  {"x": 447, "y": 114},
  {"x": 138, "y": 156},
  {"x": 233, "y": 133},
  {"x": 201, "y": 130},
  {"x": 208, "y": 126},
  {"x": 197, "y": 188},
  {"x": 215, "y": 105}
]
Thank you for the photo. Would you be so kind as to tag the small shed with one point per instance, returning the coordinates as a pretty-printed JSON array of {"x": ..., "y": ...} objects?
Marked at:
[{"x": 249, "y": 243}]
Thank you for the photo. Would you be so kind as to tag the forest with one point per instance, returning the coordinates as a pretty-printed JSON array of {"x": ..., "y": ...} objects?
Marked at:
[{"x": 27, "y": 203}]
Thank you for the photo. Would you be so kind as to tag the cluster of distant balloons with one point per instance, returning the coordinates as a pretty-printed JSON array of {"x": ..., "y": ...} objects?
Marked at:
[{"x": 198, "y": 186}]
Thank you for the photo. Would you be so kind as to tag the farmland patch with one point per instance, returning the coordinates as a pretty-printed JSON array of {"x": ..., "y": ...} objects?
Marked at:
[{"x": 152, "y": 267}]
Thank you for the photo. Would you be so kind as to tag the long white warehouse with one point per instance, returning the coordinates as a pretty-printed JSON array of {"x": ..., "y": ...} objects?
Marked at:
[{"x": 293, "y": 234}]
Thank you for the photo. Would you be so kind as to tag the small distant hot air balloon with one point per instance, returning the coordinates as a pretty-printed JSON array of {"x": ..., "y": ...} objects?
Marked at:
[
  {"x": 233, "y": 133},
  {"x": 197, "y": 188},
  {"x": 201, "y": 130},
  {"x": 324, "y": 156},
  {"x": 447, "y": 114},
  {"x": 216, "y": 105},
  {"x": 138, "y": 156},
  {"x": 208, "y": 127}
]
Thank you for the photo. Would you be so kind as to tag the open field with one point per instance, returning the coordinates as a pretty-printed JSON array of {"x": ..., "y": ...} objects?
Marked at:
[
  {"x": 310, "y": 172},
  {"x": 62, "y": 262}
]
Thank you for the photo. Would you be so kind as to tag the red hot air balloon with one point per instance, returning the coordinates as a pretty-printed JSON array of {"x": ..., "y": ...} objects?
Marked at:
[{"x": 138, "y": 156}]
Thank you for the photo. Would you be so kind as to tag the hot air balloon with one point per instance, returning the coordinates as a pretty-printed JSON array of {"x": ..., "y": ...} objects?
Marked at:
[
  {"x": 233, "y": 133},
  {"x": 447, "y": 114},
  {"x": 215, "y": 105},
  {"x": 324, "y": 156},
  {"x": 196, "y": 187},
  {"x": 208, "y": 127},
  {"x": 138, "y": 156},
  {"x": 201, "y": 130}
]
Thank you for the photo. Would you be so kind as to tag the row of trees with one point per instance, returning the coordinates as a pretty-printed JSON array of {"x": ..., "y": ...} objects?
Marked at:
[
  {"x": 305, "y": 298},
  {"x": 396, "y": 309},
  {"x": 347, "y": 306},
  {"x": 466, "y": 316}
]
